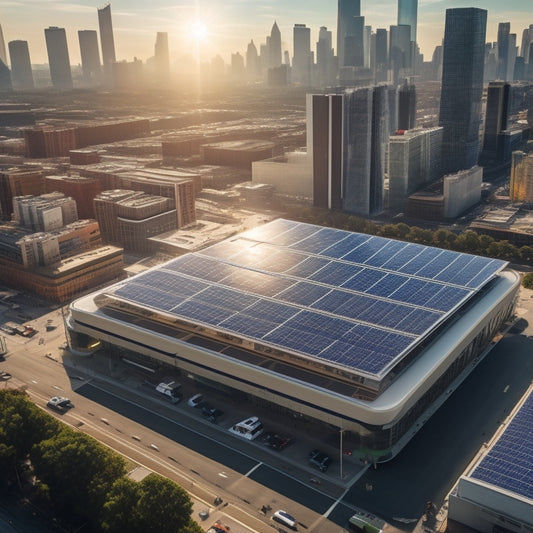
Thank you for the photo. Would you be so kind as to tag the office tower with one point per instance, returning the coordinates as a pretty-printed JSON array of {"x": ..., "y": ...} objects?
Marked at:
[
  {"x": 521, "y": 184},
  {"x": 347, "y": 10},
  {"x": 58, "y": 58},
  {"x": 527, "y": 39},
  {"x": 107, "y": 41},
  {"x": 407, "y": 106},
  {"x": 90, "y": 56},
  {"x": 3, "y": 54},
  {"x": 21, "y": 65},
  {"x": 407, "y": 15},
  {"x": 274, "y": 47},
  {"x": 381, "y": 55},
  {"x": 324, "y": 57},
  {"x": 365, "y": 140},
  {"x": 354, "y": 48},
  {"x": 237, "y": 67},
  {"x": 161, "y": 58},
  {"x": 301, "y": 61},
  {"x": 252, "y": 61},
  {"x": 324, "y": 148},
  {"x": 496, "y": 118},
  {"x": 504, "y": 29},
  {"x": 519, "y": 72},
  {"x": 462, "y": 86},
  {"x": 400, "y": 47}
]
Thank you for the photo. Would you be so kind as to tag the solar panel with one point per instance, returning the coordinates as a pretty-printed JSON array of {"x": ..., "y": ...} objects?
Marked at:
[
  {"x": 345, "y": 298},
  {"x": 509, "y": 463}
]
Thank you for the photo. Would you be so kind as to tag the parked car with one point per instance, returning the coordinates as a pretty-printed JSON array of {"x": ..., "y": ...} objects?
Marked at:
[
  {"x": 171, "y": 390},
  {"x": 196, "y": 400},
  {"x": 59, "y": 402},
  {"x": 319, "y": 460},
  {"x": 218, "y": 527},
  {"x": 285, "y": 518},
  {"x": 211, "y": 413}
]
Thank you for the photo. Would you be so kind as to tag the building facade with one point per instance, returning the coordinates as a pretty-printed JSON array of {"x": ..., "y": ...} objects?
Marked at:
[
  {"x": 90, "y": 57},
  {"x": 58, "y": 58},
  {"x": 21, "y": 72},
  {"x": 347, "y": 10},
  {"x": 462, "y": 87},
  {"x": 107, "y": 42}
]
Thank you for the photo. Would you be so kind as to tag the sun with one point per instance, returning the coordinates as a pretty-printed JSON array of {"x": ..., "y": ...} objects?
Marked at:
[{"x": 198, "y": 31}]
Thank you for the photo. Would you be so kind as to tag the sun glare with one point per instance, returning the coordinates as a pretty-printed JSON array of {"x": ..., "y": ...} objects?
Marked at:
[{"x": 198, "y": 31}]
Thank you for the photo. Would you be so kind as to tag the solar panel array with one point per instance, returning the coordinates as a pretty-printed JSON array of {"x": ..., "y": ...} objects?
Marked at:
[
  {"x": 509, "y": 463},
  {"x": 348, "y": 299}
]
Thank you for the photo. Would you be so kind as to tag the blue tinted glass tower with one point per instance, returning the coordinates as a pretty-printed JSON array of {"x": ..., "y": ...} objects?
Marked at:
[
  {"x": 408, "y": 14},
  {"x": 462, "y": 86},
  {"x": 347, "y": 10}
]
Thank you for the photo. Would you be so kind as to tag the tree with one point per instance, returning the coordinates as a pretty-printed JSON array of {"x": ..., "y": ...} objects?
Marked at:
[
  {"x": 527, "y": 280},
  {"x": 153, "y": 504},
  {"x": 96, "y": 469}
]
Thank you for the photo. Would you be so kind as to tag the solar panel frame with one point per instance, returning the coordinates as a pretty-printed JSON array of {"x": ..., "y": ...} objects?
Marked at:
[{"x": 310, "y": 291}]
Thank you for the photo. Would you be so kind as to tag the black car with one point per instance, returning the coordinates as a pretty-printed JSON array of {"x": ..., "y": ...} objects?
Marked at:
[
  {"x": 277, "y": 442},
  {"x": 211, "y": 413},
  {"x": 319, "y": 460}
]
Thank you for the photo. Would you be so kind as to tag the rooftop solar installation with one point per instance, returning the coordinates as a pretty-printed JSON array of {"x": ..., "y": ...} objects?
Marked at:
[
  {"x": 354, "y": 301},
  {"x": 509, "y": 463}
]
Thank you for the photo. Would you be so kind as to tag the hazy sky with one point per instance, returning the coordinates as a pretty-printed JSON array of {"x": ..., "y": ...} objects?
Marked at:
[{"x": 230, "y": 24}]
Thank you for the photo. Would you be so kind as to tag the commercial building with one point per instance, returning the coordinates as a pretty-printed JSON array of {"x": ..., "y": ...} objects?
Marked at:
[
  {"x": 46, "y": 212},
  {"x": 58, "y": 58},
  {"x": 462, "y": 87},
  {"x": 408, "y": 15},
  {"x": 347, "y": 10},
  {"x": 90, "y": 57},
  {"x": 414, "y": 161},
  {"x": 521, "y": 184},
  {"x": 347, "y": 330},
  {"x": 496, "y": 491},
  {"x": 82, "y": 190},
  {"x": 301, "y": 61},
  {"x": 21, "y": 73},
  {"x": 161, "y": 58},
  {"x": 496, "y": 119},
  {"x": 107, "y": 42},
  {"x": 18, "y": 181},
  {"x": 236, "y": 153}
]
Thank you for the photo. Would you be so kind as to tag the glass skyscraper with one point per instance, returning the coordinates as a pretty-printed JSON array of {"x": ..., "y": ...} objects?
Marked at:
[
  {"x": 58, "y": 58},
  {"x": 107, "y": 40},
  {"x": 408, "y": 14},
  {"x": 462, "y": 86},
  {"x": 347, "y": 10}
]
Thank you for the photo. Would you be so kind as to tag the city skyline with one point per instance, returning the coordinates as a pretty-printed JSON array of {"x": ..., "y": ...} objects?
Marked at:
[{"x": 228, "y": 28}]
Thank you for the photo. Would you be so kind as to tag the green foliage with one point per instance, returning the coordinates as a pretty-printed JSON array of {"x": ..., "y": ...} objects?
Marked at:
[
  {"x": 96, "y": 469},
  {"x": 154, "y": 504},
  {"x": 527, "y": 280}
]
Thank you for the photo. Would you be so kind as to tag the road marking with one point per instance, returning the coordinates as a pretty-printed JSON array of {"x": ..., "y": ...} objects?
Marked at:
[
  {"x": 253, "y": 469},
  {"x": 506, "y": 389},
  {"x": 223, "y": 474}
]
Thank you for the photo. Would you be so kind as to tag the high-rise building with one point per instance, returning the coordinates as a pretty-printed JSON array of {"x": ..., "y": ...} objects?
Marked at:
[
  {"x": 521, "y": 184},
  {"x": 527, "y": 39},
  {"x": 347, "y": 9},
  {"x": 162, "y": 58},
  {"x": 107, "y": 41},
  {"x": 21, "y": 65},
  {"x": 400, "y": 47},
  {"x": 496, "y": 118},
  {"x": 3, "y": 54},
  {"x": 407, "y": 106},
  {"x": 354, "y": 47},
  {"x": 301, "y": 61},
  {"x": 462, "y": 86},
  {"x": 324, "y": 57},
  {"x": 58, "y": 58},
  {"x": 90, "y": 56},
  {"x": 253, "y": 67},
  {"x": 274, "y": 47},
  {"x": 408, "y": 14},
  {"x": 504, "y": 29}
]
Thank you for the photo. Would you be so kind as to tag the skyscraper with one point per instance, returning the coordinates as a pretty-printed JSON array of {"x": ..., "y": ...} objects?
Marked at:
[
  {"x": 301, "y": 61},
  {"x": 347, "y": 10},
  {"x": 408, "y": 14},
  {"x": 3, "y": 55},
  {"x": 354, "y": 47},
  {"x": 324, "y": 57},
  {"x": 90, "y": 56},
  {"x": 504, "y": 29},
  {"x": 527, "y": 39},
  {"x": 462, "y": 86},
  {"x": 107, "y": 41},
  {"x": 496, "y": 118},
  {"x": 21, "y": 65},
  {"x": 162, "y": 58},
  {"x": 58, "y": 58},
  {"x": 252, "y": 61},
  {"x": 274, "y": 47}
]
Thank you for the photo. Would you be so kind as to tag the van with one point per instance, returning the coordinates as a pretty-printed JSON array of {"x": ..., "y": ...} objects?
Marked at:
[
  {"x": 250, "y": 428},
  {"x": 171, "y": 389}
]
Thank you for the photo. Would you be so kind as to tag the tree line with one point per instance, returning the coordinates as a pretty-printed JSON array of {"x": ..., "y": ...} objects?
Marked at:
[
  {"x": 79, "y": 483},
  {"x": 468, "y": 241}
]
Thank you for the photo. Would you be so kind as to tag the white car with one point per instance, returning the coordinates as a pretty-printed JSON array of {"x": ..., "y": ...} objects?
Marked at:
[
  {"x": 196, "y": 400},
  {"x": 172, "y": 390},
  {"x": 59, "y": 402},
  {"x": 285, "y": 518},
  {"x": 250, "y": 428}
]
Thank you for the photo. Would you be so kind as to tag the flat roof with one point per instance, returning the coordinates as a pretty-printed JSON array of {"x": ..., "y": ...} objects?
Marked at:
[{"x": 355, "y": 302}]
